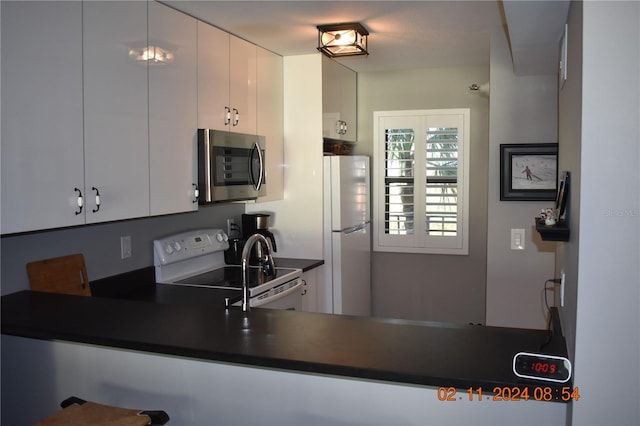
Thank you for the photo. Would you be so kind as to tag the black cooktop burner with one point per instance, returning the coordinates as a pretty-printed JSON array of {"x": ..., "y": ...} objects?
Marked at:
[{"x": 231, "y": 277}]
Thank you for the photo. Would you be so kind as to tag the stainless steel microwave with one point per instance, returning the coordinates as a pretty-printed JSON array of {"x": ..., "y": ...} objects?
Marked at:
[{"x": 231, "y": 166}]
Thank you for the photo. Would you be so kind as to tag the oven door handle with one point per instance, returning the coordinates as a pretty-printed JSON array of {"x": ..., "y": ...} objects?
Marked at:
[{"x": 256, "y": 302}]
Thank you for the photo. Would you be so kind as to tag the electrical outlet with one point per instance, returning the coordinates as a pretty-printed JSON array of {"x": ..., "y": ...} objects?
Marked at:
[
  {"x": 230, "y": 226},
  {"x": 562, "y": 278},
  {"x": 125, "y": 247}
]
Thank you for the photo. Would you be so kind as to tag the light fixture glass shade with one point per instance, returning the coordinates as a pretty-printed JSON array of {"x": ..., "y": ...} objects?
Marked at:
[{"x": 347, "y": 39}]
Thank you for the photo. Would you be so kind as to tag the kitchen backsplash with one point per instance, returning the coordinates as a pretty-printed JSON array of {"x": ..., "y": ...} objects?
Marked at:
[{"x": 100, "y": 243}]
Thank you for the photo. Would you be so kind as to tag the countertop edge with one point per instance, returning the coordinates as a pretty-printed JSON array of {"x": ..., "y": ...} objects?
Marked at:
[{"x": 25, "y": 314}]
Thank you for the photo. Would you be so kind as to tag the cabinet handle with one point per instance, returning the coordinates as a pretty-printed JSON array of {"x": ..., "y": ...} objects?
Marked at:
[
  {"x": 93, "y": 188},
  {"x": 79, "y": 201},
  {"x": 341, "y": 127},
  {"x": 236, "y": 116},
  {"x": 227, "y": 115},
  {"x": 196, "y": 193}
]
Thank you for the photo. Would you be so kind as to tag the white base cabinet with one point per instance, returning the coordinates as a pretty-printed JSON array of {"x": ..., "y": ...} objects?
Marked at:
[{"x": 311, "y": 298}]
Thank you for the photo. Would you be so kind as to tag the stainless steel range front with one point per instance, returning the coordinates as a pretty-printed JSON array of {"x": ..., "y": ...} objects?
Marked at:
[{"x": 196, "y": 258}]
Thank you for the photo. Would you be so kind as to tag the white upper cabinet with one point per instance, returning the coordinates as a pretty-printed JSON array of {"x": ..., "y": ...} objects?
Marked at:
[
  {"x": 97, "y": 127},
  {"x": 226, "y": 81},
  {"x": 213, "y": 78},
  {"x": 116, "y": 138},
  {"x": 270, "y": 120},
  {"x": 173, "y": 101},
  {"x": 242, "y": 85},
  {"x": 42, "y": 145},
  {"x": 339, "y": 97}
]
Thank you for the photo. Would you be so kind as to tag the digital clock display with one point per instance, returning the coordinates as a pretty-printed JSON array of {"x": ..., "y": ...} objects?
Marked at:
[{"x": 542, "y": 367}]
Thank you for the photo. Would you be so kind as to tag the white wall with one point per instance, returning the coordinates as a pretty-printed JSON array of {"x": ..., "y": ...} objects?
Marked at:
[
  {"x": 523, "y": 110},
  {"x": 297, "y": 220},
  {"x": 40, "y": 374},
  {"x": 601, "y": 117}
]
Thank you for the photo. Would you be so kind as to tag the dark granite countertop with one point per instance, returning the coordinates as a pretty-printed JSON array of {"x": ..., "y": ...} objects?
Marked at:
[
  {"x": 191, "y": 322},
  {"x": 304, "y": 264}
]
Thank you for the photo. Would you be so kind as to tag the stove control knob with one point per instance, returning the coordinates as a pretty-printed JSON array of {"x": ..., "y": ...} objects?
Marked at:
[
  {"x": 168, "y": 249},
  {"x": 221, "y": 237},
  {"x": 177, "y": 246}
]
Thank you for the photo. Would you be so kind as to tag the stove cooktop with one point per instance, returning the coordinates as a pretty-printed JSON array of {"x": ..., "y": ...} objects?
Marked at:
[{"x": 230, "y": 277}]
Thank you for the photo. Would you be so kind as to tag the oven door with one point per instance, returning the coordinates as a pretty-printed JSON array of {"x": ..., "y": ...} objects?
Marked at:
[{"x": 286, "y": 296}]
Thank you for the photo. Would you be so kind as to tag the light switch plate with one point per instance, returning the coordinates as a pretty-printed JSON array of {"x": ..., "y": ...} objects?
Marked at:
[
  {"x": 125, "y": 247},
  {"x": 517, "y": 239}
]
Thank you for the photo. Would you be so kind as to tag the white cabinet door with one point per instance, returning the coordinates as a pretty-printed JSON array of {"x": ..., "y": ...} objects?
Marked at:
[
  {"x": 214, "y": 110},
  {"x": 172, "y": 112},
  {"x": 242, "y": 85},
  {"x": 270, "y": 120},
  {"x": 349, "y": 89},
  {"x": 42, "y": 148},
  {"x": 116, "y": 138},
  {"x": 331, "y": 98},
  {"x": 226, "y": 81},
  {"x": 310, "y": 294},
  {"x": 339, "y": 97}
]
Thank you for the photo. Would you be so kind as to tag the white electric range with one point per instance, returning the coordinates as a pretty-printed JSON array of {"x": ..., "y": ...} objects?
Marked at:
[{"x": 196, "y": 258}]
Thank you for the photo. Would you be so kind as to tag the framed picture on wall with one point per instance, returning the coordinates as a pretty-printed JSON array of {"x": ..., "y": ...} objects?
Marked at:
[{"x": 528, "y": 172}]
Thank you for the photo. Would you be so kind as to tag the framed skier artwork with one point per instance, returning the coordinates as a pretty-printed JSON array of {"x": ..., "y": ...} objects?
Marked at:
[{"x": 528, "y": 172}]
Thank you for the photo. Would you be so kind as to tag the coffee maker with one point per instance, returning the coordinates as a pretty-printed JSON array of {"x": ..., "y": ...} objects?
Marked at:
[{"x": 257, "y": 223}]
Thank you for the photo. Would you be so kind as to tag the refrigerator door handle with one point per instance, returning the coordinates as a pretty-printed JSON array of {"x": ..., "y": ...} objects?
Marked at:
[{"x": 356, "y": 228}]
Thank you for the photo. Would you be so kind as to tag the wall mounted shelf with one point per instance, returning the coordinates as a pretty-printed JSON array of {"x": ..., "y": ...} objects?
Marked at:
[{"x": 557, "y": 232}]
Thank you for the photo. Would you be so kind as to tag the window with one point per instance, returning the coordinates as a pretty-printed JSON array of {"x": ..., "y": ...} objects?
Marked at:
[{"x": 421, "y": 181}]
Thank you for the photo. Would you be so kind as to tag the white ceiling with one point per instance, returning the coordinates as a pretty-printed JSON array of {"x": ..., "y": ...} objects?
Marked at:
[{"x": 403, "y": 34}]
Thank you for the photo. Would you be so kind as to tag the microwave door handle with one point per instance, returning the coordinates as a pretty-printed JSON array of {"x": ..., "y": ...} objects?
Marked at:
[
  {"x": 207, "y": 166},
  {"x": 257, "y": 184}
]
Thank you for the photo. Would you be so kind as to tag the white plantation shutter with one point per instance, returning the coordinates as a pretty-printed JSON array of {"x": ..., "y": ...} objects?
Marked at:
[
  {"x": 420, "y": 184},
  {"x": 399, "y": 187}
]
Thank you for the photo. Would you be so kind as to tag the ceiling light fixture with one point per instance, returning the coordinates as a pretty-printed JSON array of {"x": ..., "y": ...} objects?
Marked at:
[
  {"x": 152, "y": 54},
  {"x": 348, "y": 39}
]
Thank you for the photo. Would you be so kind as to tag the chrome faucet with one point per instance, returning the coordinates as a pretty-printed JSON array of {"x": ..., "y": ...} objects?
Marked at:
[{"x": 268, "y": 265}]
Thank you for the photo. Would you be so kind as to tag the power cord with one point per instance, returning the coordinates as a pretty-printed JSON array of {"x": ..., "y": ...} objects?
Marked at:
[{"x": 546, "y": 302}]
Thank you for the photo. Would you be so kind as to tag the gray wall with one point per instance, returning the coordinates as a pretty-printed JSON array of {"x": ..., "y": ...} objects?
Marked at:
[
  {"x": 523, "y": 110},
  {"x": 431, "y": 287},
  {"x": 100, "y": 244},
  {"x": 600, "y": 136}
]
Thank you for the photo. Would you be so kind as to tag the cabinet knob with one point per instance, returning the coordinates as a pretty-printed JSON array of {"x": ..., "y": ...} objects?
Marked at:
[{"x": 227, "y": 115}]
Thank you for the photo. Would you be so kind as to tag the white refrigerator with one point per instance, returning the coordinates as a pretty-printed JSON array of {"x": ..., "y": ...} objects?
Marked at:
[{"x": 347, "y": 235}]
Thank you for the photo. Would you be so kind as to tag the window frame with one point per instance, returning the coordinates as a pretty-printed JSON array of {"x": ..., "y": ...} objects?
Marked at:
[{"x": 421, "y": 120}]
